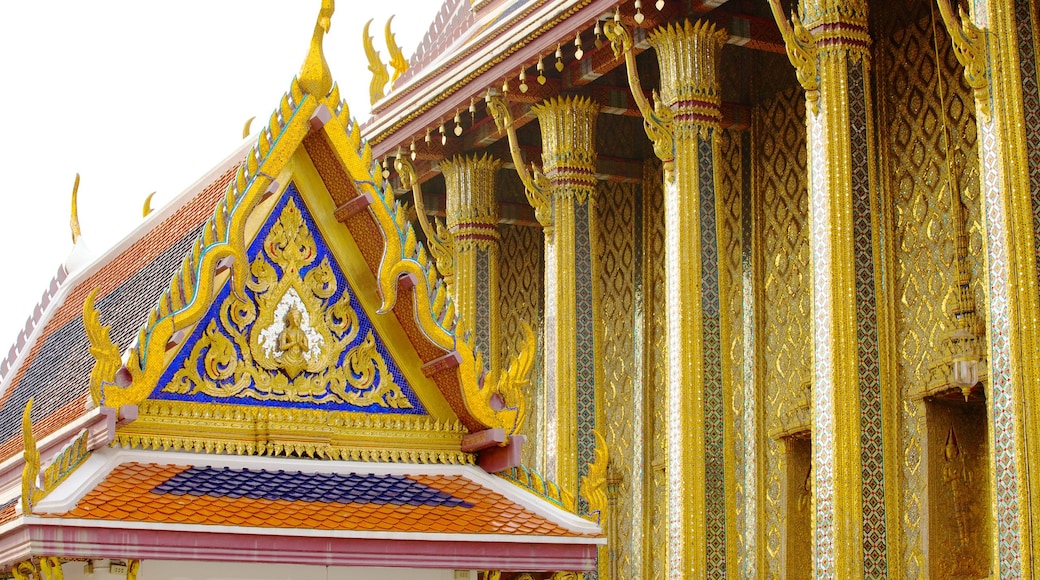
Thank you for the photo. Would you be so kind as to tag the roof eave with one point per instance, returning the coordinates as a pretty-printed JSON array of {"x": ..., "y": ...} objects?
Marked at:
[
  {"x": 438, "y": 94},
  {"x": 125, "y": 540}
]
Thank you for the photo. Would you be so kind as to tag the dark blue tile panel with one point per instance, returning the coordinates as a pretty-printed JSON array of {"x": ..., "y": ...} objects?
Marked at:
[{"x": 306, "y": 487}]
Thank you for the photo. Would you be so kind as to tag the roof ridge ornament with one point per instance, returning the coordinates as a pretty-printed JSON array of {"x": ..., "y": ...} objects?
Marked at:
[
  {"x": 375, "y": 66},
  {"x": 397, "y": 59},
  {"x": 315, "y": 77},
  {"x": 74, "y": 216}
]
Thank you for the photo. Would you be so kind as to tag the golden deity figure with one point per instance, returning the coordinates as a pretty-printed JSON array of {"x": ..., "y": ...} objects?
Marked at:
[{"x": 293, "y": 343}]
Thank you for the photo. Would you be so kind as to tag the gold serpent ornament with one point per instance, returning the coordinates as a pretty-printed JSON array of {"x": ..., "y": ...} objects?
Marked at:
[
  {"x": 397, "y": 60},
  {"x": 375, "y": 66},
  {"x": 287, "y": 342}
]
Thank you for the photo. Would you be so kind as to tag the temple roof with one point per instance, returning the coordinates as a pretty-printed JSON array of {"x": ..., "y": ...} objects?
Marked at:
[
  {"x": 443, "y": 515},
  {"x": 343, "y": 496},
  {"x": 282, "y": 308},
  {"x": 53, "y": 365}
]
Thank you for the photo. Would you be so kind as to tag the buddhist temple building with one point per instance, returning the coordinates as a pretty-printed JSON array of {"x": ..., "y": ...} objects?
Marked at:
[{"x": 599, "y": 289}]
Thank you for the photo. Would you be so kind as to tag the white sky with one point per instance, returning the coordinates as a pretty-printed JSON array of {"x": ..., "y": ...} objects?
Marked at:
[{"x": 146, "y": 96}]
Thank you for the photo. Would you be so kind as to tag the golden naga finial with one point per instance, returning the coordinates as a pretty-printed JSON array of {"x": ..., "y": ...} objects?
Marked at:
[
  {"x": 439, "y": 239},
  {"x": 147, "y": 208},
  {"x": 74, "y": 218},
  {"x": 315, "y": 77},
  {"x": 245, "y": 128},
  {"x": 510, "y": 385},
  {"x": 969, "y": 46},
  {"x": 536, "y": 185},
  {"x": 375, "y": 66},
  {"x": 594, "y": 484},
  {"x": 657, "y": 117},
  {"x": 397, "y": 60},
  {"x": 801, "y": 50},
  {"x": 31, "y": 472},
  {"x": 107, "y": 360}
]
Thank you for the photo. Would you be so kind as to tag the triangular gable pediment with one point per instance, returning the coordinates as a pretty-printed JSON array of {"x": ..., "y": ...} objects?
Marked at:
[
  {"x": 298, "y": 338},
  {"x": 307, "y": 319}
]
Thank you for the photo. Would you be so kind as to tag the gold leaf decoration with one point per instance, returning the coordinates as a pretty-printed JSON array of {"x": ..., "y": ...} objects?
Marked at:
[{"x": 290, "y": 341}]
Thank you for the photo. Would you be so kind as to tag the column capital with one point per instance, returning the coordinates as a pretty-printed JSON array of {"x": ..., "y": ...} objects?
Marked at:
[
  {"x": 837, "y": 24},
  {"x": 688, "y": 54},
  {"x": 568, "y": 143},
  {"x": 471, "y": 203}
]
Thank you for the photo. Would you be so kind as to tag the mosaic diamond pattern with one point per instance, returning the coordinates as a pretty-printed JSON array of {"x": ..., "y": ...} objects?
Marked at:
[
  {"x": 714, "y": 472},
  {"x": 585, "y": 341},
  {"x": 482, "y": 326},
  {"x": 780, "y": 184},
  {"x": 871, "y": 445}
]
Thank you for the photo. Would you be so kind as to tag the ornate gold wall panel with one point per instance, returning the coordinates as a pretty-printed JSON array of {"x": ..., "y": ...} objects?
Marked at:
[
  {"x": 729, "y": 210},
  {"x": 624, "y": 403},
  {"x": 656, "y": 349},
  {"x": 913, "y": 165},
  {"x": 781, "y": 204},
  {"x": 958, "y": 485},
  {"x": 521, "y": 289}
]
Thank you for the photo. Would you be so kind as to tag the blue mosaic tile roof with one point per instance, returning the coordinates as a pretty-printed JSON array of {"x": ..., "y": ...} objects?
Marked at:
[{"x": 307, "y": 487}]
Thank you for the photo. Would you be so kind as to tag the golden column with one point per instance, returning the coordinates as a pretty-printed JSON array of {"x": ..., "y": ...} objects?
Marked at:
[
  {"x": 684, "y": 125},
  {"x": 472, "y": 219},
  {"x": 564, "y": 199},
  {"x": 852, "y": 432},
  {"x": 997, "y": 44},
  {"x": 572, "y": 375}
]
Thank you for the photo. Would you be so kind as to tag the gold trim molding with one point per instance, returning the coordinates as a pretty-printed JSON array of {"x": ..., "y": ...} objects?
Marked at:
[{"x": 245, "y": 430}]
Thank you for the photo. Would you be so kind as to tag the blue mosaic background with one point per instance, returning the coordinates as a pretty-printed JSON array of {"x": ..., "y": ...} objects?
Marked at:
[{"x": 364, "y": 324}]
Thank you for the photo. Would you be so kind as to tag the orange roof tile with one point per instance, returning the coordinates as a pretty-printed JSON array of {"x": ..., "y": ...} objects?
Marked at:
[{"x": 272, "y": 499}]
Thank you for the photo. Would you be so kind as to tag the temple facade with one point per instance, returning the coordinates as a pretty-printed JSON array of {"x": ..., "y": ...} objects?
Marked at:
[
  {"x": 689, "y": 289},
  {"x": 781, "y": 259}
]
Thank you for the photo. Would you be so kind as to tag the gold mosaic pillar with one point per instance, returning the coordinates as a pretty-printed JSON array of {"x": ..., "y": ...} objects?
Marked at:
[
  {"x": 684, "y": 124},
  {"x": 573, "y": 328},
  {"x": 997, "y": 45},
  {"x": 830, "y": 47},
  {"x": 696, "y": 467},
  {"x": 472, "y": 219}
]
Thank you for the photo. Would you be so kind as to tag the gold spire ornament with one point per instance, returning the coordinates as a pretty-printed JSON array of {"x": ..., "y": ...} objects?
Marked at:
[
  {"x": 74, "y": 218},
  {"x": 397, "y": 60},
  {"x": 375, "y": 66},
  {"x": 315, "y": 77}
]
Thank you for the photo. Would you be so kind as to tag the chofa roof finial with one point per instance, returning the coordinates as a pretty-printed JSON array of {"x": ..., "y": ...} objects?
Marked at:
[
  {"x": 74, "y": 216},
  {"x": 315, "y": 77}
]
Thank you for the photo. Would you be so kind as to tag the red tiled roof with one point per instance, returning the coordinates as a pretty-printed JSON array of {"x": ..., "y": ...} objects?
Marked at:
[{"x": 181, "y": 494}]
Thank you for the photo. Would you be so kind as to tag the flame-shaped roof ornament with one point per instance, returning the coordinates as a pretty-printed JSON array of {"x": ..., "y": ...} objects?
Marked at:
[{"x": 315, "y": 77}]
